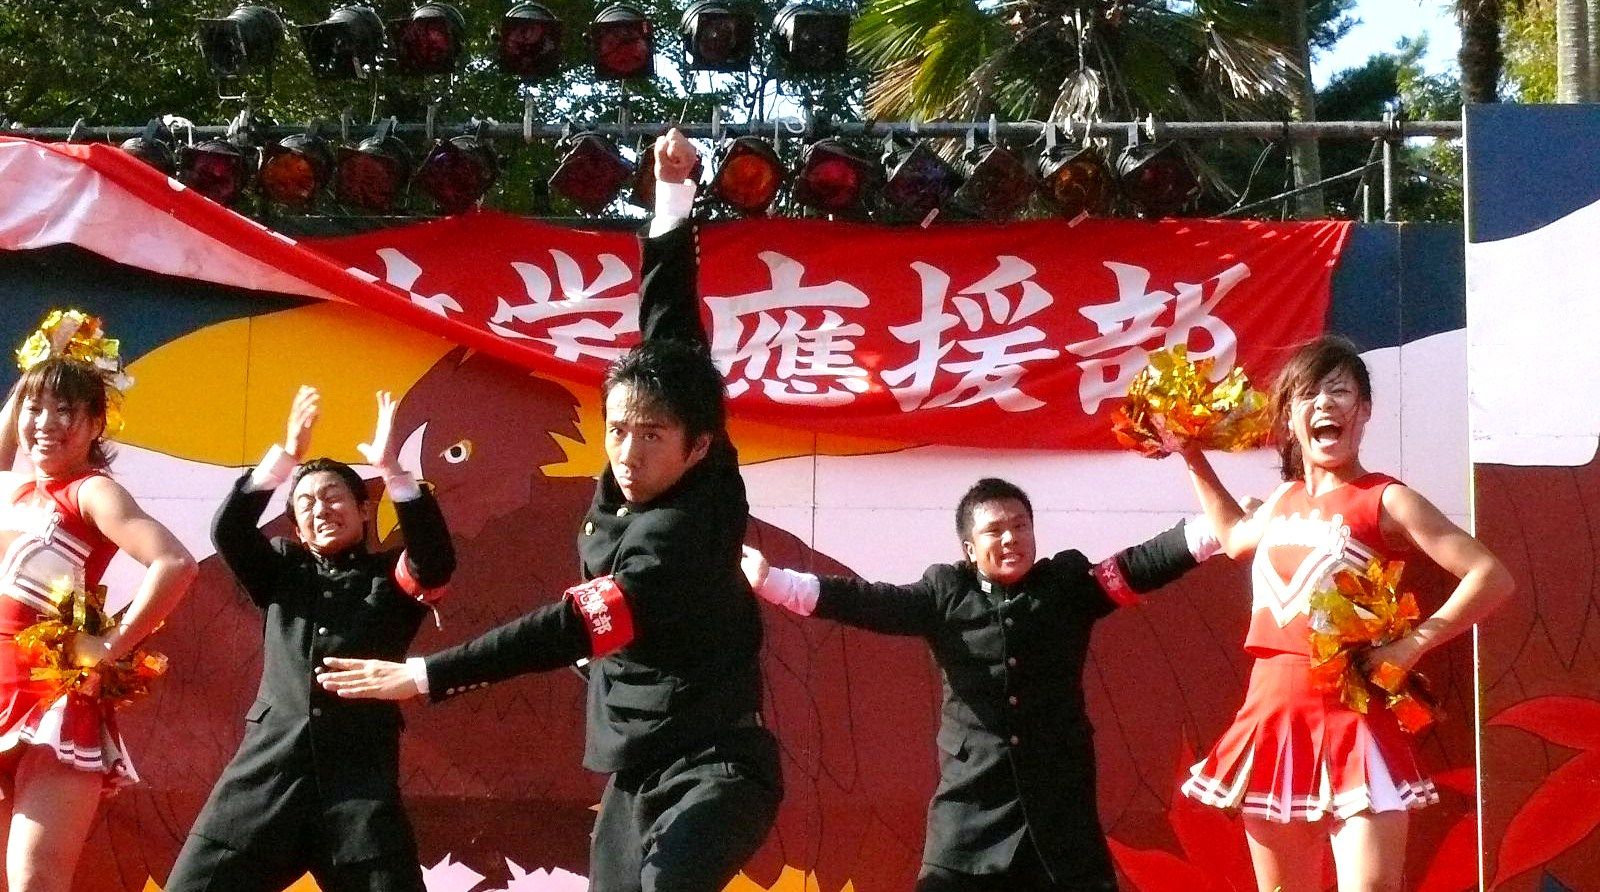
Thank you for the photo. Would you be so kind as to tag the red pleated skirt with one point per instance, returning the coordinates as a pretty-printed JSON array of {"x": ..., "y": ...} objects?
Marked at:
[
  {"x": 80, "y": 731},
  {"x": 1293, "y": 754}
]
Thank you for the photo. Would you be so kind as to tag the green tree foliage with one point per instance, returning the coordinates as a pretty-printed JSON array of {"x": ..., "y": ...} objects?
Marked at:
[
  {"x": 1061, "y": 59},
  {"x": 1530, "y": 41}
]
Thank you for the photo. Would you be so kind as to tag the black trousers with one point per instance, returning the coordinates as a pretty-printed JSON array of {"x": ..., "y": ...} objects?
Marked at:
[
  {"x": 690, "y": 825},
  {"x": 1026, "y": 874},
  {"x": 205, "y": 865}
]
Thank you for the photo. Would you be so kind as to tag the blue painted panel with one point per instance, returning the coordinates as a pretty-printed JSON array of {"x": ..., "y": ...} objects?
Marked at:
[
  {"x": 1558, "y": 145},
  {"x": 143, "y": 310}
]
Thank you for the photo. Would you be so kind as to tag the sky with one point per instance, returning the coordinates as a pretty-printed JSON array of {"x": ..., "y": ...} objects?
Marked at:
[{"x": 1383, "y": 23}]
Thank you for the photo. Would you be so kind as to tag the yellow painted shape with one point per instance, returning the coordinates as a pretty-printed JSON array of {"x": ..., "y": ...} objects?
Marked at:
[
  {"x": 792, "y": 879},
  {"x": 221, "y": 394},
  {"x": 305, "y": 884}
]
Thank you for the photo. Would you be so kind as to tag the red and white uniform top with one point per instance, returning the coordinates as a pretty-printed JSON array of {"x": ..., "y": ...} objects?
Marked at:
[
  {"x": 48, "y": 540},
  {"x": 1308, "y": 539}
]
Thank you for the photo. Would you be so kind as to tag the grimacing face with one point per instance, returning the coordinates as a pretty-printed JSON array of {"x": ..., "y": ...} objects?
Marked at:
[
  {"x": 1001, "y": 543},
  {"x": 327, "y": 516},
  {"x": 649, "y": 451}
]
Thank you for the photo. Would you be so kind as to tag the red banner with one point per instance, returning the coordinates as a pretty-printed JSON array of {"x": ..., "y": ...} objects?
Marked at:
[{"x": 1017, "y": 335}]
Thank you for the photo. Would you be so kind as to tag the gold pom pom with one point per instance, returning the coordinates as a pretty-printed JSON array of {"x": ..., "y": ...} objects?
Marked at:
[{"x": 1173, "y": 403}]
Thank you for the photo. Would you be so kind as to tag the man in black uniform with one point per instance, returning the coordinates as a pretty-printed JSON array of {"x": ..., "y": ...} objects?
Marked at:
[
  {"x": 315, "y": 785},
  {"x": 1015, "y": 810},
  {"x": 666, "y": 616}
]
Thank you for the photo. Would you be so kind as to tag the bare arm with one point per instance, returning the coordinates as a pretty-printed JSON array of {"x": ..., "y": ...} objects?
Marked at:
[
  {"x": 8, "y": 430},
  {"x": 1485, "y": 584},
  {"x": 1238, "y": 531},
  {"x": 169, "y": 568}
]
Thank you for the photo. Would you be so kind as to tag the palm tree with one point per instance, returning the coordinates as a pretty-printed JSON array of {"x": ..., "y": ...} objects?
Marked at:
[
  {"x": 1572, "y": 51},
  {"x": 1480, "y": 56},
  {"x": 1072, "y": 59},
  {"x": 1305, "y": 155}
]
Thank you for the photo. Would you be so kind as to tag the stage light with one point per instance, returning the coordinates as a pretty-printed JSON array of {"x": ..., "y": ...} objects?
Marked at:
[
  {"x": 833, "y": 177},
  {"x": 997, "y": 186},
  {"x": 457, "y": 172},
  {"x": 530, "y": 42},
  {"x": 346, "y": 45},
  {"x": 810, "y": 39},
  {"x": 1076, "y": 182},
  {"x": 246, "y": 40},
  {"x": 1156, "y": 179},
  {"x": 372, "y": 175},
  {"x": 429, "y": 42},
  {"x": 619, "y": 39},
  {"x": 644, "y": 181},
  {"x": 215, "y": 169},
  {"x": 750, "y": 176},
  {"x": 295, "y": 169},
  {"x": 920, "y": 183},
  {"x": 717, "y": 37},
  {"x": 153, "y": 147},
  {"x": 591, "y": 173}
]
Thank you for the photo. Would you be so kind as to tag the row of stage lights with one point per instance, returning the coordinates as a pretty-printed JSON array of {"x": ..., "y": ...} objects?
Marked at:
[
  {"x": 719, "y": 35},
  {"x": 910, "y": 182}
]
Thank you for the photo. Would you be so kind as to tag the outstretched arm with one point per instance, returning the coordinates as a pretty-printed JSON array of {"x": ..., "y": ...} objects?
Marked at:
[
  {"x": 1238, "y": 532},
  {"x": 429, "y": 558},
  {"x": 170, "y": 569},
  {"x": 874, "y": 606},
  {"x": 8, "y": 429},
  {"x": 235, "y": 530},
  {"x": 1484, "y": 584},
  {"x": 669, "y": 294},
  {"x": 548, "y": 638}
]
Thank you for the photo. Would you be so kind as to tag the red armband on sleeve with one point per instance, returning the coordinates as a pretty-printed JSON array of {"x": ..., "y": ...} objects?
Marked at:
[
  {"x": 1109, "y": 574},
  {"x": 409, "y": 584},
  {"x": 605, "y": 613}
]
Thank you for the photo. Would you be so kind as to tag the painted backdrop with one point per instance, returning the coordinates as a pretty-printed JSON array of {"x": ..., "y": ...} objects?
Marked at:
[{"x": 222, "y": 320}]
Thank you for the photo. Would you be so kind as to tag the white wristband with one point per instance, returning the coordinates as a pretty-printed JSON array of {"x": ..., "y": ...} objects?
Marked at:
[
  {"x": 402, "y": 487},
  {"x": 1201, "y": 538},
  {"x": 674, "y": 204},
  {"x": 419, "y": 673},
  {"x": 793, "y": 591},
  {"x": 275, "y": 467}
]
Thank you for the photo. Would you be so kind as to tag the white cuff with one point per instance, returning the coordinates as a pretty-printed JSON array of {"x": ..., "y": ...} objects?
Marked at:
[
  {"x": 1201, "y": 538},
  {"x": 419, "y": 673},
  {"x": 674, "y": 204},
  {"x": 793, "y": 591},
  {"x": 402, "y": 487},
  {"x": 275, "y": 467}
]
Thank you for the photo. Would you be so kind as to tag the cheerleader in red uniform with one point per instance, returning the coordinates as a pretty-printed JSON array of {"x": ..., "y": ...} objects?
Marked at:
[
  {"x": 1305, "y": 770},
  {"x": 64, "y": 520}
]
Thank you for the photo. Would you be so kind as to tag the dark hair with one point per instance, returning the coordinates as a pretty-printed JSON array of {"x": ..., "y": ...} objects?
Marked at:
[
  {"x": 676, "y": 379},
  {"x": 358, "y": 487},
  {"x": 1311, "y": 362},
  {"x": 989, "y": 489},
  {"x": 80, "y": 385}
]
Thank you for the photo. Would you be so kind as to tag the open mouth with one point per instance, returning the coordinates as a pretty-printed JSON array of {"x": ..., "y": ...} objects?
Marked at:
[{"x": 1326, "y": 433}]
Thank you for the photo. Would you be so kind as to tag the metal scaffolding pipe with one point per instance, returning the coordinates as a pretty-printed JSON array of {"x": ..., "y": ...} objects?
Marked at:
[{"x": 1147, "y": 130}]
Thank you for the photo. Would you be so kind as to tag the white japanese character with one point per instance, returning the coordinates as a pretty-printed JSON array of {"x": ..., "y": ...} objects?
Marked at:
[
  {"x": 1128, "y": 325},
  {"x": 402, "y": 272},
  {"x": 586, "y": 335},
  {"x": 994, "y": 371},
  {"x": 813, "y": 364}
]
